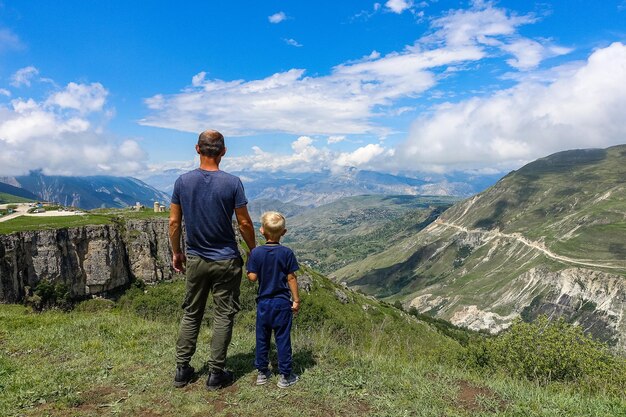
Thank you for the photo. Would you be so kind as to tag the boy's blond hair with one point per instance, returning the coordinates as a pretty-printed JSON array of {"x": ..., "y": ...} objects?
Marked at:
[{"x": 273, "y": 224}]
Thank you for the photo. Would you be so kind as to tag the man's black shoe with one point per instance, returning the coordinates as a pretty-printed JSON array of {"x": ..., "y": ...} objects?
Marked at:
[
  {"x": 184, "y": 375},
  {"x": 220, "y": 379}
]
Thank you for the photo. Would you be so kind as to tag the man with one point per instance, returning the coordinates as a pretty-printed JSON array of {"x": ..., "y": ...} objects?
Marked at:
[{"x": 207, "y": 197}]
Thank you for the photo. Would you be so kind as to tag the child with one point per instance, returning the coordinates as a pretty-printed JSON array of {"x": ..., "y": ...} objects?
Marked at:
[{"x": 274, "y": 266}]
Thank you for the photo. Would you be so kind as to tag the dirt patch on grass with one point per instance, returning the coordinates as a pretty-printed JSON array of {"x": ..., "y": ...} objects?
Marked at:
[
  {"x": 475, "y": 399},
  {"x": 92, "y": 402},
  {"x": 101, "y": 398},
  {"x": 223, "y": 400},
  {"x": 352, "y": 407}
]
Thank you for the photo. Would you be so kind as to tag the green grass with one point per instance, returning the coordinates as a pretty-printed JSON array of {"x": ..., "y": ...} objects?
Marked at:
[
  {"x": 361, "y": 358},
  {"x": 9, "y": 198},
  {"x": 27, "y": 223}
]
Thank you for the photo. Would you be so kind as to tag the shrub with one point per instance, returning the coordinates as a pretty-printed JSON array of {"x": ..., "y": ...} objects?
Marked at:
[
  {"x": 550, "y": 351},
  {"x": 47, "y": 294},
  {"x": 160, "y": 302},
  {"x": 461, "y": 335},
  {"x": 94, "y": 305}
]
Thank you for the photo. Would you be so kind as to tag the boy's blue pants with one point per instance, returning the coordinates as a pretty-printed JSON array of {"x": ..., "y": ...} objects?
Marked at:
[{"x": 273, "y": 314}]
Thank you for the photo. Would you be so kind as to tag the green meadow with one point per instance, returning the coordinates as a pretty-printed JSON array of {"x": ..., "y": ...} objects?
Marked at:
[{"x": 366, "y": 358}]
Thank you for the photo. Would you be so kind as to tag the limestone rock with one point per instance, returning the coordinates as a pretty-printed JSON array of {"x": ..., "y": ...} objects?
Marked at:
[
  {"x": 149, "y": 253},
  {"x": 305, "y": 282},
  {"x": 341, "y": 296}
]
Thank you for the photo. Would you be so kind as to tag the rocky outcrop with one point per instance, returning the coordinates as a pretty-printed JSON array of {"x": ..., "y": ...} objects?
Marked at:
[
  {"x": 87, "y": 260},
  {"x": 595, "y": 300},
  {"x": 149, "y": 253}
]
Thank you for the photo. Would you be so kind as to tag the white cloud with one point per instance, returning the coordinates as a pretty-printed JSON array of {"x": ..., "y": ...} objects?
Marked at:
[
  {"x": 9, "y": 40},
  {"x": 82, "y": 97},
  {"x": 130, "y": 149},
  {"x": 368, "y": 13},
  {"x": 305, "y": 157},
  {"x": 62, "y": 135},
  {"x": 293, "y": 42},
  {"x": 581, "y": 108},
  {"x": 354, "y": 93},
  {"x": 399, "y": 6},
  {"x": 24, "y": 76},
  {"x": 339, "y": 103},
  {"x": 198, "y": 79},
  {"x": 5, "y": 92},
  {"x": 277, "y": 17},
  {"x": 494, "y": 29},
  {"x": 529, "y": 53},
  {"x": 361, "y": 156},
  {"x": 335, "y": 139}
]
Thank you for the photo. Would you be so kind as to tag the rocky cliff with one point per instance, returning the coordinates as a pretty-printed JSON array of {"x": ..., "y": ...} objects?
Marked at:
[{"x": 87, "y": 260}]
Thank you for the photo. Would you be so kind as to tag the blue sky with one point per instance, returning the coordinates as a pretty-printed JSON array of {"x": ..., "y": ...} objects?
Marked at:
[{"x": 124, "y": 87}]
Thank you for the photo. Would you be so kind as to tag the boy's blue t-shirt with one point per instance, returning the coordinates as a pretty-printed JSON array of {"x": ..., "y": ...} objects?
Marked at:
[
  {"x": 208, "y": 200},
  {"x": 272, "y": 263}
]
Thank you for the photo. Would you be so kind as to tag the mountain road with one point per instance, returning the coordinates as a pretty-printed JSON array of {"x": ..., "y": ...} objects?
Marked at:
[{"x": 535, "y": 245}]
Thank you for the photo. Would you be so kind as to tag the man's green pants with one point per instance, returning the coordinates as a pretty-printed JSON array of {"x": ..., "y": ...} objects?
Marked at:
[{"x": 222, "y": 278}]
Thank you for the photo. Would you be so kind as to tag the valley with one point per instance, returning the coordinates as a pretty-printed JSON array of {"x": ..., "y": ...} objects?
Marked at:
[
  {"x": 353, "y": 228},
  {"x": 546, "y": 239}
]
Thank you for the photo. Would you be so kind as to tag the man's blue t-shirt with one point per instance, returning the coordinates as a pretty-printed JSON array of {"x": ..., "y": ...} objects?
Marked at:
[
  {"x": 272, "y": 263},
  {"x": 208, "y": 200}
]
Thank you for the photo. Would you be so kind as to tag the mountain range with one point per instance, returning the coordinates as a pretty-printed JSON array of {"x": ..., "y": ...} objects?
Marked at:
[
  {"x": 85, "y": 192},
  {"x": 318, "y": 188}
]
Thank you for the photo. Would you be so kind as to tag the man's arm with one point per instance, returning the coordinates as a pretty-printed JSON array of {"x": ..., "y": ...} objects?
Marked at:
[
  {"x": 293, "y": 287},
  {"x": 246, "y": 228},
  {"x": 176, "y": 219}
]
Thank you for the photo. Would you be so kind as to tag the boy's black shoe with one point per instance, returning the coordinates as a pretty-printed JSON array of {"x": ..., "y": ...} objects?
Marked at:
[
  {"x": 219, "y": 379},
  {"x": 184, "y": 375}
]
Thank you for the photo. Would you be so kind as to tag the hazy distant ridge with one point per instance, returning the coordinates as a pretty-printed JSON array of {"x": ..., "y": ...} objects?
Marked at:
[{"x": 88, "y": 192}]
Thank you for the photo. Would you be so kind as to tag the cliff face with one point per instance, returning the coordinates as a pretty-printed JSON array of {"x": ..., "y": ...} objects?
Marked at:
[
  {"x": 87, "y": 260},
  {"x": 148, "y": 249},
  {"x": 592, "y": 299}
]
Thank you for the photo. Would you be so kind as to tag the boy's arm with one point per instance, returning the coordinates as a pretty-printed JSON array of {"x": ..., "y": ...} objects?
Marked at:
[
  {"x": 252, "y": 276},
  {"x": 292, "y": 281}
]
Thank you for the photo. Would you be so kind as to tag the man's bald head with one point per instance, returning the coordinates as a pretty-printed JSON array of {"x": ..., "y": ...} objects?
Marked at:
[{"x": 211, "y": 143}]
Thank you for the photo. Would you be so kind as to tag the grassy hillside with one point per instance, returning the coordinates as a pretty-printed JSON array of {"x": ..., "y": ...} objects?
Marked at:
[
  {"x": 355, "y": 358},
  {"x": 9, "y": 198},
  {"x": 548, "y": 238},
  {"x": 573, "y": 201},
  {"x": 350, "y": 229},
  {"x": 11, "y": 194}
]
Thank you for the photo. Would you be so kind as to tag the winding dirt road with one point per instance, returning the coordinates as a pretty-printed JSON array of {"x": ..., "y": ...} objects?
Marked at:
[{"x": 535, "y": 245}]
